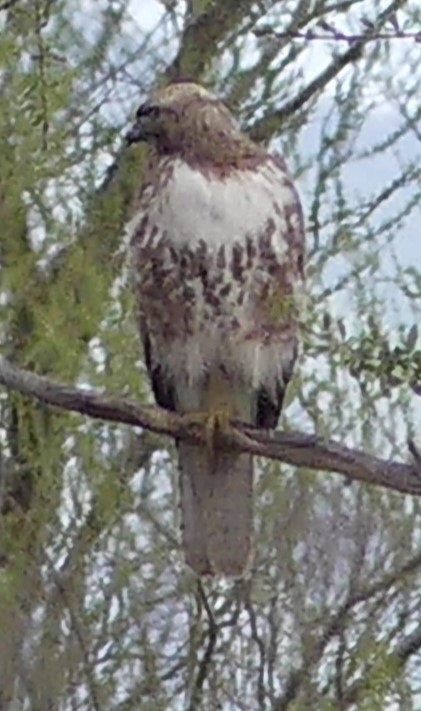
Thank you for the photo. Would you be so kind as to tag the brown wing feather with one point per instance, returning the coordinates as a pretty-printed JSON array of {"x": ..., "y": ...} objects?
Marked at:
[
  {"x": 162, "y": 385},
  {"x": 269, "y": 405}
]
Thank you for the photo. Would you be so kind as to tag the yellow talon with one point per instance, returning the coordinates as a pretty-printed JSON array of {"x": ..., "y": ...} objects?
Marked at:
[
  {"x": 216, "y": 421},
  {"x": 213, "y": 421}
]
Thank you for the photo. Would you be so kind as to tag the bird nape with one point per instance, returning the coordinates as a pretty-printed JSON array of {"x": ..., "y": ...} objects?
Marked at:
[{"x": 217, "y": 244}]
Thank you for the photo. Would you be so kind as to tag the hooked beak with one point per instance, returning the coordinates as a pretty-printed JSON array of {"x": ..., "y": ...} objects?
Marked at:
[{"x": 136, "y": 133}]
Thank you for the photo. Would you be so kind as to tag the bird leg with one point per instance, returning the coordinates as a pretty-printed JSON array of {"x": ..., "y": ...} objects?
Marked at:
[
  {"x": 213, "y": 422},
  {"x": 217, "y": 412},
  {"x": 217, "y": 421}
]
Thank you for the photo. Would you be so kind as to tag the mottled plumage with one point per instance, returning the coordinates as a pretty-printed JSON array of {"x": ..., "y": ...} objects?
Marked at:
[{"x": 217, "y": 240}]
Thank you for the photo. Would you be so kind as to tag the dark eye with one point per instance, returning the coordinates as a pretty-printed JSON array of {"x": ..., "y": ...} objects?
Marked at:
[{"x": 150, "y": 110}]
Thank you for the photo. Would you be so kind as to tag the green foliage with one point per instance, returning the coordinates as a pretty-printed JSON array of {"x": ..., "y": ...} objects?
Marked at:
[{"x": 97, "y": 608}]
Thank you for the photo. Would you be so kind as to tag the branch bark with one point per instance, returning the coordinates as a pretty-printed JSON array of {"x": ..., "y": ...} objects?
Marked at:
[
  {"x": 200, "y": 37},
  {"x": 295, "y": 448}
]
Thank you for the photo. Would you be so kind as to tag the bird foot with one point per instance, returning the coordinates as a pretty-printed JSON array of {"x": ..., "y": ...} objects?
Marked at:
[
  {"x": 217, "y": 421},
  {"x": 213, "y": 421}
]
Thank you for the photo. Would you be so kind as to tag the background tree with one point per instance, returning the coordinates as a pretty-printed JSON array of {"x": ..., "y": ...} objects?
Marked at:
[{"x": 97, "y": 609}]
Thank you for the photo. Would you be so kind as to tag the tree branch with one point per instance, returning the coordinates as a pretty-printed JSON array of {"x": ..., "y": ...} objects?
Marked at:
[
  {"x": 296, "y": 448},
  {"x": 270, "y": 122},
  {"x": 200, "y": 37},
  {"x": 335, "y": 626},
  {"x": 409, "y": 646}
]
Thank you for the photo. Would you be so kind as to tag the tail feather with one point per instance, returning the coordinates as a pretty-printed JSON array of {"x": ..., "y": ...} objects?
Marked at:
[{"x": 217, "y": 509}]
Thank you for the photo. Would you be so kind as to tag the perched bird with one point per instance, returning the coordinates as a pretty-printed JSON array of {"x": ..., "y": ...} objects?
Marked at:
[{"x": 217, "y": 243}]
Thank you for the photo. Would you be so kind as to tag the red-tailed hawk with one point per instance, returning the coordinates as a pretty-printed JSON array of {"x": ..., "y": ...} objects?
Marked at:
[{"x": 217, "y": 240}]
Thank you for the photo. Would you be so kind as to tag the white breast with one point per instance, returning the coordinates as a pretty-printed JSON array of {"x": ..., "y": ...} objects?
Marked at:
[{"x": 193, "y": 207}]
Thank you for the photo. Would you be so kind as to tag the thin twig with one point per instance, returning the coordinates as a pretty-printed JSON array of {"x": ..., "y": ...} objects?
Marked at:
[
  {"x": 256, "y": 637},
  {"x": 270, "y": 122},
  {"x": 207, "y": 656},
  {"x": 336, "y": 36},
  {"x": 335, "y": 626}
]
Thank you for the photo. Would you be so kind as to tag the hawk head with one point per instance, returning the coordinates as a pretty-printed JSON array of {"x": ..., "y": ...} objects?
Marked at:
[{"x": 186, "y": 119}]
